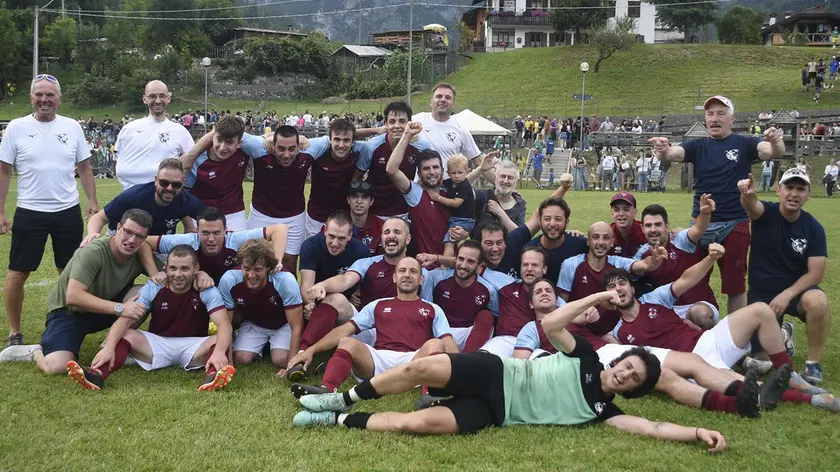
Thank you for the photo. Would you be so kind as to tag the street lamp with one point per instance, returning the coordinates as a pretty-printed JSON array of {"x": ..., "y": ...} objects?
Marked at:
[
  {"x": 584, "y": 68},
  {"x": 206, "y": 63}
]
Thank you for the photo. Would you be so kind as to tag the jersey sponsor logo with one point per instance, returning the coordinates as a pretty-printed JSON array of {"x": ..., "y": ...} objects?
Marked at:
[
  {"x": 269, "y": 166},
  {"x": 451, "y": 136},
  {"x": 672, "y": 255},
  {"x": 599, "y": 407},
  {"x": 480, "y": 300},
  {"x": 164, "y": 137},
  {"x": 380, "y": 275},
  {"x": 652, "y": 313},
  {"x": 212, "y": 174},
  {"x": 62, "y": 138},
  {"x": 799, "y": 245},
  {"x": 617, "y": 249},
  {"x": 382, "y": 160},
  {"x": 445, "y": 294},
  {"x": 588, "y": 378},
  {"x": 240, "y": 301},
  {"x": 516, "y": 294},
  {"x": 164, "y": 306},
  {"x": 630, "y": 338},
  {"x": 424, "y": 312},
  {"x": 195, "y": 303},
  {"x": 32, "y": 135},
  {"x": 732, "y": 155},
  {"x": 387, "y": 310}
]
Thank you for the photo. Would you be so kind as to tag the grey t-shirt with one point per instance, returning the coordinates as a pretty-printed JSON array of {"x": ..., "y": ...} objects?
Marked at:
[{"x": 482, "y": 196}]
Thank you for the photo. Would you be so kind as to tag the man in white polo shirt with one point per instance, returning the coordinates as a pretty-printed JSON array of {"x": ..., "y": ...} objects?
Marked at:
[
  {"x": 447, "y": 135},
  {"x": 143, "y": 144},
  {"x": 45, "y": 149}
]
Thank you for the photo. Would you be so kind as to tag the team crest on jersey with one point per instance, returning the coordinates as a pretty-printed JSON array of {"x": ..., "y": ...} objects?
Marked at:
[
  {"x": 480, "y": 300},
  {"x": 342, "y": 270},
  {"x": 230, "y": 261},
  {"x": 445, "y": 294},
  {"x": 387, "y": 310},
  {"x": 164, "y": 306},
  {"x": 367, "y": 239},
  {"x": 599, "y": 407},
  {"x": 584, "y": 280},
  {"x": 269, "y": 166},
  {"x": 164, "y": 137},
  {"x": 732, "y": 155},
  {"x": 652, "y": 313},
  {"x": 451, "y": 136},
  {"x": 212, "y": 174},
  {"x": 241, "y": 163},
  {"x": 799, "y": 245},
  {"x": 512, "y": 272},
  {"x": 240, "y": 301},
  {"x": 171, "y": 224},
  {"x": 672, "y": 255},
  {"x": 62, "y": 138},
  {"x": 630, "y": 338},
  {"x": 516, "y": 294},
  {"x": 195, "y": 303},
  {"x": 424, "y": 312},
  {"x": 273, "y": 300}
]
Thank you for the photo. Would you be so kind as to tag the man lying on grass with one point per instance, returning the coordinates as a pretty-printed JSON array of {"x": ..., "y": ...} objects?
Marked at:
[{"x": 487, "y": 390}]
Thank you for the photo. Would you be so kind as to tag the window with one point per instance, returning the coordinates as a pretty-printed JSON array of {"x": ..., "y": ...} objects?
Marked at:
[
  {"x": 634, "y": 8},
  {"x": 509, "y": 5},
  {"x": 503, "y": 36}
]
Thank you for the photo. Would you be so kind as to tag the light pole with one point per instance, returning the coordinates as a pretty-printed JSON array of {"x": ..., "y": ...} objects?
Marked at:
[
  {"x": 410, "y": 47},
  {"x": 584, "y": 68},
  {"x": 206, "y": 63}
]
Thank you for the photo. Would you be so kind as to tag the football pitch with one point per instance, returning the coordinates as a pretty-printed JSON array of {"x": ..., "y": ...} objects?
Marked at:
[{"x": 160, "y": 421}]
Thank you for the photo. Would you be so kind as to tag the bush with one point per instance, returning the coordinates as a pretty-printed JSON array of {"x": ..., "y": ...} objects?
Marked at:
[{"x": 89, "y": 91}]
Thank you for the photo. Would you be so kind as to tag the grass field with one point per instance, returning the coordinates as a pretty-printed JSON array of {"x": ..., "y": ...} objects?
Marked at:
[{"x": 159, "y": 421}]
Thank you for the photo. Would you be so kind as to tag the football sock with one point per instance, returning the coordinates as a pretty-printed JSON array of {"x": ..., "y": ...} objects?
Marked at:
[
  {"x": 363, "y": 391},
  {"x": 338, "y": 369},
  {"x": 354, "y": 420},
  {"x": 714, "y": 401},
  {"x": 211, "y": 370},
  {"x": 779, "y": 359},
  {"x": 734, "y": 388},
  {"x": 320, "y": 323},
  {"x": 120, "y": 355},
  {"x": 482, "y": 331},
  {"x": 795, "y": 396}
]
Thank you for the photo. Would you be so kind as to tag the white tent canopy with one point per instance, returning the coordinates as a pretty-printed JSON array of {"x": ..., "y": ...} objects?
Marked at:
[{"x": 480, "y": 126}]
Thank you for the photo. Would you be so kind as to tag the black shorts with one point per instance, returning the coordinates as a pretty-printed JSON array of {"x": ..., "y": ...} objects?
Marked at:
[
  {"x": 477, "y": 388},
  {"x": 792, "y": 309},
  {"x": 29, "y": 237},
  {"x": 66, "y": 331}
]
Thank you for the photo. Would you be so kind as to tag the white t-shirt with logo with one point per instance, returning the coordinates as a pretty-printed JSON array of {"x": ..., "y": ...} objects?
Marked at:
[
  {"x": 448, "y": 138},
  {"x": 45, "y": 157},
  {"x": 143, "y": 143}
]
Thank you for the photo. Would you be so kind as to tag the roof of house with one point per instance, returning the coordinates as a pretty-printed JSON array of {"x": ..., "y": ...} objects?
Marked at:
[
  {"x": 814, "y": 13},
  {"x": 365, "y": 51}
]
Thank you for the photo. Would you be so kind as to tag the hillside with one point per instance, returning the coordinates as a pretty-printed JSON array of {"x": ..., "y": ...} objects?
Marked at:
[{"x": 648, "y": 80}]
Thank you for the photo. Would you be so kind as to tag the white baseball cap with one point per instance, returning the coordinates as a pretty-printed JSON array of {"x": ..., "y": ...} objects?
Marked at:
[
  {"x": 795, "y": 173},
  {"x": 720, "y": 99}
]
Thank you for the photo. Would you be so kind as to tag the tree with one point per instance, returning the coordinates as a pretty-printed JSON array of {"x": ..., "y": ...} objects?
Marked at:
[
  {"x": 610, "y": 39},
  {"x": 590, "y": 14},
  {"x": 740, "y": 25},
  {"x": 60, "y": 40},
  {"x": 220, "y": 32},
  {"x": 685, "y": 18},
  {"x": 10, "y": 58}
]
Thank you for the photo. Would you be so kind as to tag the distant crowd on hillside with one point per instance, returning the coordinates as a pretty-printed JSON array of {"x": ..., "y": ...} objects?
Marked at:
[{"x": 814, "y": 75}]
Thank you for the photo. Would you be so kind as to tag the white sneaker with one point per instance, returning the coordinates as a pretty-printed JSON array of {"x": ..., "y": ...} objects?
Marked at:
[{"x": 20, "y": 353}]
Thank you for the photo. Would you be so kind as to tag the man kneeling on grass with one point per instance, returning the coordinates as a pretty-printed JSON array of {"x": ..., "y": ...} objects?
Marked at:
[
  {"x": 177, "y": 334},
  {"x": 487, "y": 390}
]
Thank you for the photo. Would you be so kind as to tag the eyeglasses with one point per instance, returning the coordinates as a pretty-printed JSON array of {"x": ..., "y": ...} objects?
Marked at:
[
  {"x": 131, "y": 234},
  {"x": 47, "y": 77},
  {"x": 166, "y": 183},
  {"x": 159, "y": 96},
  {"x": 360, "y": 185}
]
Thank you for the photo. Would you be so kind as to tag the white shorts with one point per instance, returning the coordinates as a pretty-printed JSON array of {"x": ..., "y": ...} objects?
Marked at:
[
  {"x": 717, "y": 347},
  {"x": 233, "y": 222},
  {"x": 168, "y": 352},
  {"x": 386, "y": 218},
  {"x": 252, "y": 338},
  {"x": 682, "y": 310},
  {"x": 384, "y": 359},
  {"x": 537, "y": 353},
  {"x": 611, "y": 352},
  {"x": 313, "y": 227},
  {"x": 460, "y": 335},
  {"x": 297, "y": 228},
  {"x": 501, "y": 346}
]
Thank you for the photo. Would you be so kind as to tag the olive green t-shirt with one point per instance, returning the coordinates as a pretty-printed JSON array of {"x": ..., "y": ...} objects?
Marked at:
[{"x": 95, "y": 266}]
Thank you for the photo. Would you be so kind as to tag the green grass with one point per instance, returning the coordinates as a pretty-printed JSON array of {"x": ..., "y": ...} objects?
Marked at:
[
  {"x": 159, "y": 421},
  {"x": 647, "y": 80}
]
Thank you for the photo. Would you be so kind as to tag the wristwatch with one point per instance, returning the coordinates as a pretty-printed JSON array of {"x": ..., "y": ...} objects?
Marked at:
[{"x": 118, "y": 309}]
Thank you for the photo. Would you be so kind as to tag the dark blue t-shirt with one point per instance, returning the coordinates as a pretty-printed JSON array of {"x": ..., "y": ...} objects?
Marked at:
[
  {"x": 514, "y": 243},
  {"x": 164, "y": 218},
  {"x": 780, "y": 249},
  {"x": 572, "y": 246},
  {"x": 718, "y": 166},
  {"x": 314, "y": 256}
]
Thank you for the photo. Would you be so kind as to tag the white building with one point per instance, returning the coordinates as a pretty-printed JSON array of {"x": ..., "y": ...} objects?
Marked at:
[{"x": 514, "y": 24}]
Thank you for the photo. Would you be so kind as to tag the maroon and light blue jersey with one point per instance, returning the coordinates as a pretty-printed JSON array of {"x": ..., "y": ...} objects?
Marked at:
[
  {"x": 460, "y": 304},
  {"x": 627, "y": 247},
  {"x": 532, "y": 337},
  {"x": 214, "y": 266},
  {"x": 401, "y": 325},
  {"x": 579, "y": 280},
  {"x": 657, "y": 325},
  {"x": 330, "y": 178},
  {"x": 371, "y": 234},
  {"x": 278, "y": 190},
  {"x": 373, "y": 158},
  {"x": 429, "y": 220},
  {"x": 377, "y": 278},
  {"x": 180, "y": 315},
  {"x": 682, "y": 254},
  {"x": 267, "y": 307}
]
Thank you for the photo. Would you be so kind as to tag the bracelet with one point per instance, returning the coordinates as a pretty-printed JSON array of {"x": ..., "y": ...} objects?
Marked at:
[{"x": 697, "y": 433}]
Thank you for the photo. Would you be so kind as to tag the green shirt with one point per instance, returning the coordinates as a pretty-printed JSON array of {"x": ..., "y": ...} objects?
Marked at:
[
  {"x": 562, "y": 389},
  {"x": 95, "y": 266}
]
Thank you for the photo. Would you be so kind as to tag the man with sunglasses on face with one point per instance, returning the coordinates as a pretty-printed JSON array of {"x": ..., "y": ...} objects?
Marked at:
[
  {"x": 45, "y": 148},
  {"x": 142, "y": 144},
  {"x": 163, "y": 199}
]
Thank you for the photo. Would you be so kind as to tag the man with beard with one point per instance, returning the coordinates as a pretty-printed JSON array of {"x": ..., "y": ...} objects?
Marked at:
[
  {"x": 367, "y": 228},
  {"x": 407, "y": 328},
  {"x": 215, "y": 246},
  {"x": 44, "y": 149},
  {"x": 279, "y": 180},
  {"x": 581, "y": 276},
  {"x": 216, "y": 173},
  {"x": 787, "y": 262},
  {"x": 92, "y": 292},
  {"x": 374, "y": 275},
  {"x": 329, "y": 254},
  {"x": 429, "y": 219},
  {"x": 697, "y": 305},
  {"x": 500, "y": 203},
  {"x": 267, "y": 303},
  {"x": 177, "y": 334},
  {"x": 554, "y": 215},
  {"x": 379, "y": 150},
  {"x": 627, "y": 230},
  {"x": 469, "y": 301},
  {"x": 720, "y": 161},
  {"x": 144, "y": 143},
  {"x": 163, "y": 198}
]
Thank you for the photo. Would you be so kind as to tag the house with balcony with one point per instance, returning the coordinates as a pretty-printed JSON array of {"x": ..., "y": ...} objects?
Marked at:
[
  {"x": 814, "y": 23},
  {"x": 514, "y": 24}
]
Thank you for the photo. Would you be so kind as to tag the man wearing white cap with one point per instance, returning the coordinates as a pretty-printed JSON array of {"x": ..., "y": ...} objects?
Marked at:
[{"x": 720, "y": 161}]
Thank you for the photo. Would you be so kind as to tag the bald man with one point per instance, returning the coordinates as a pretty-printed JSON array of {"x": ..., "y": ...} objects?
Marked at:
[{"x": 144, "y": 143}]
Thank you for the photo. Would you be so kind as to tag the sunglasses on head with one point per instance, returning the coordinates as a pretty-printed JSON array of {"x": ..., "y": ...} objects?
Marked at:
[
  {"x": 166, "y": 183},
  {"x": 359, "y": 185},
  {"x": 47, "y": 77}
]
